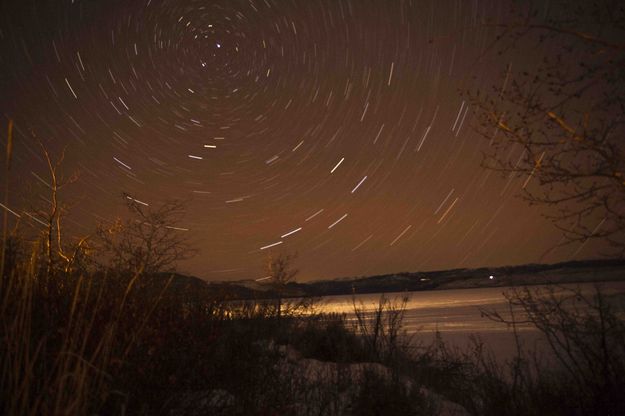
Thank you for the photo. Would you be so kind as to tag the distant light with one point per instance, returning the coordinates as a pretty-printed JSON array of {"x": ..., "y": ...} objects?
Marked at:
[
  {"x": 491, "y": 277},
  {"x": 219, "y": 45}
]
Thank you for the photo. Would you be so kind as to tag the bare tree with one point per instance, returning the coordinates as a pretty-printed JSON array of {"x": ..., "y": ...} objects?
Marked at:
[
  {"x": 279, "y": 273},
  {"x": 149, "y": 242},
  {"x": 558, "y": 123},
  {"x": 53, "y": 230},
  {"x": 57, "y": 251}
]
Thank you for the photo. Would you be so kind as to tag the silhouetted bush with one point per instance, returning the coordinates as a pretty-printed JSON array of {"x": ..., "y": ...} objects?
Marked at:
[{"x": 582, "y": 370}]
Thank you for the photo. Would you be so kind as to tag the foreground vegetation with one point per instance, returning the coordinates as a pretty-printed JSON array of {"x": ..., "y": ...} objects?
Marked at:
[
  {"x": 102, "y": 326},
  {"x": 114, "y": 342},
  {"x": 118, "y": 343}
]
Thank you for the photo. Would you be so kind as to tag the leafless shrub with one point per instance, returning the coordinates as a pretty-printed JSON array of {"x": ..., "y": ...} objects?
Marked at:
[
  {"x": 585, "y": 334},
  {"x": 580, "y": 369},
  {"x": 149, "y": 242},
  {"x": 381, "y": 329}
]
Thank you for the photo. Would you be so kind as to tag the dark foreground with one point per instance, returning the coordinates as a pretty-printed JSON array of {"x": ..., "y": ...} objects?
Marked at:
[{"x": 111, "y": 342}]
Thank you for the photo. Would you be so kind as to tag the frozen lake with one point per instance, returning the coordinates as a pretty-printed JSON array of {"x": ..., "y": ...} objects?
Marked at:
[{"x": 456, "y": 314}]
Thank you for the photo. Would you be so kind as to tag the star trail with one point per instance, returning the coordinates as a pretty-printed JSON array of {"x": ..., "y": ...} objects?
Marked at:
[{"x": 335, "y": 129}]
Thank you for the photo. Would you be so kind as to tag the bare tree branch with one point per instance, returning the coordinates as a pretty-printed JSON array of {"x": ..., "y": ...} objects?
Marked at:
[{"x": 565, "y": 118}]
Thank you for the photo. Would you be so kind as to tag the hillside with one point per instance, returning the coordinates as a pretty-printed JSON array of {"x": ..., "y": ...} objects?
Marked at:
[{"x": 528, "y": 274}]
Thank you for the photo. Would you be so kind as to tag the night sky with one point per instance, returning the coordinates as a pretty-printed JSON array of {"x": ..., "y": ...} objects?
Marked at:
[{"x": 335, "y": 129}]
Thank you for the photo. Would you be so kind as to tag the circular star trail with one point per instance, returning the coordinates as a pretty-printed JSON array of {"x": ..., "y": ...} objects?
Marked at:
[{"x": 334, "y": 129}]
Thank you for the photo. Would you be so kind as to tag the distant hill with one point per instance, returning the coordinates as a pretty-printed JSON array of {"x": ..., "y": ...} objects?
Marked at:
[
  {"x": 527, "y": 274},
  {"x": 567, "y": 272}
]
